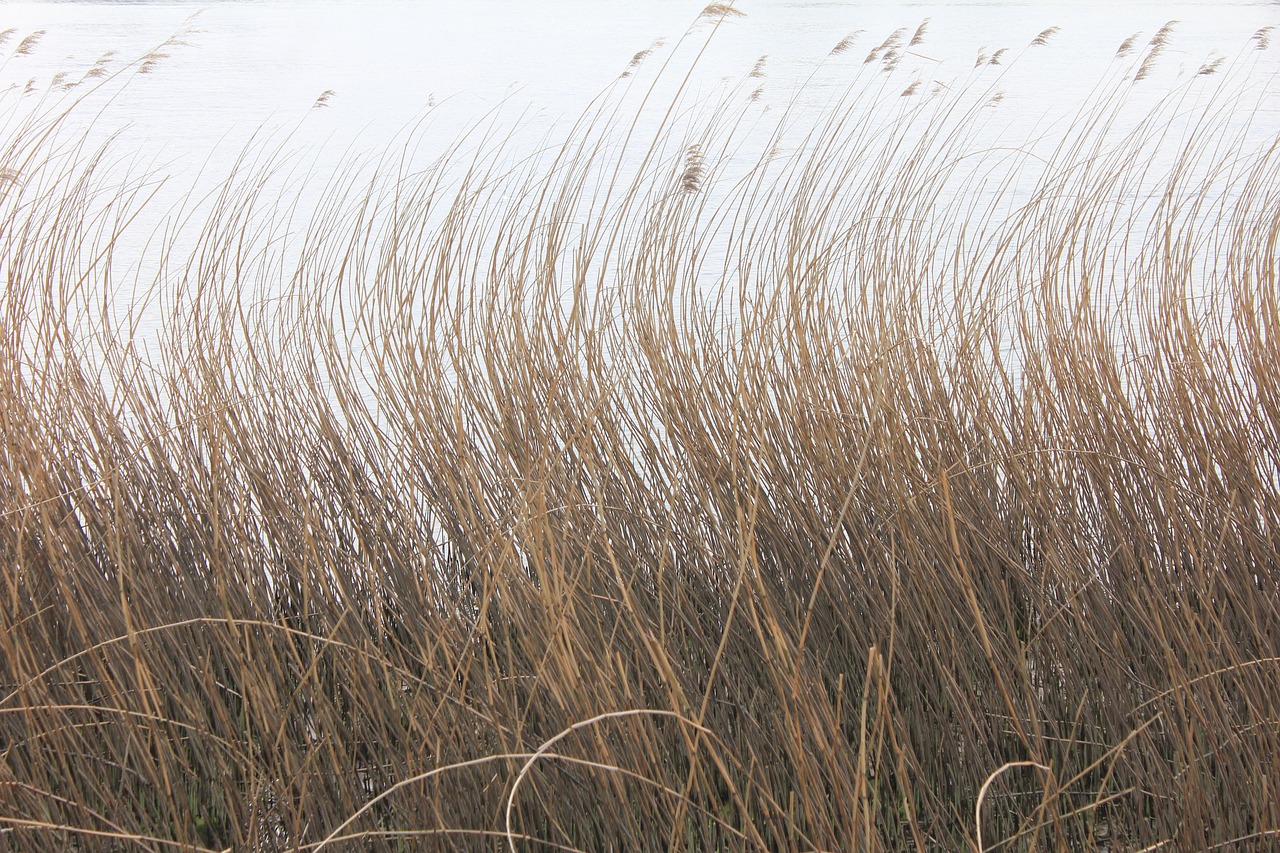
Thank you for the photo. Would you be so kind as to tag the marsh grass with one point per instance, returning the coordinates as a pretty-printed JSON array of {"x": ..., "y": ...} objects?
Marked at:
[{"x": 845, "y": 485}]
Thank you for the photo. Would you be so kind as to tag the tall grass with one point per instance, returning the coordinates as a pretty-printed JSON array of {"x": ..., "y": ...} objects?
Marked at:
[{"x": 704, "y": 481}]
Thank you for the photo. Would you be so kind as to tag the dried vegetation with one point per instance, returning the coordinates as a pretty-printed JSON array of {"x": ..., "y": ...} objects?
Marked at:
[{"x": 886, "y": 491}]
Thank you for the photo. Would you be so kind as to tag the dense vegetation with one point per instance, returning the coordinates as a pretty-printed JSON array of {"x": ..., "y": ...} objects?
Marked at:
[{"x": 845, "y": 484}]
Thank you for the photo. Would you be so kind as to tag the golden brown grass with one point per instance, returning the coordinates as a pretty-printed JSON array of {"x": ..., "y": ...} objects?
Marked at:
[{"x": 868, "y": 494}]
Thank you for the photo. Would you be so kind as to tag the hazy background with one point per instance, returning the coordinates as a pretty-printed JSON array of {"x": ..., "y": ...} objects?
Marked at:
[
  {"x": 254, "y": 64},
  {"x": 396, "y": 70}
]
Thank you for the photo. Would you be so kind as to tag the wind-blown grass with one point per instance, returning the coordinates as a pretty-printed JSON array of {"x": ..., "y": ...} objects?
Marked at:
[{"x": 696, "y": 483}]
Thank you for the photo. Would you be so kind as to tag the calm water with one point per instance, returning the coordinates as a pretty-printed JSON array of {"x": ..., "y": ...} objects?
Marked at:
[
  {"x": 247, "y": 67},
  {"x": 263, "y": 63}
]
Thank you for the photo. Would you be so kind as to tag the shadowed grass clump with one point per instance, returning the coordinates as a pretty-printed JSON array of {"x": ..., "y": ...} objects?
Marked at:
[{"x": 705, "y": 481}]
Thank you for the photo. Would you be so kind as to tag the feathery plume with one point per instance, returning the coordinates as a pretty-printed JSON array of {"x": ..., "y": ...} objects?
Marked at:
[
  {"x": 28, "y": 44},
  {"x": 150, "y": 61},
  {"x": 6, "y": 35},
  {"x": 642, "y": 55},
  {"x": 694, "y": 163},
  {"x": 1157, "y": 43},
  {"x": 919, "y": 33},
  {"x": 1161, "y": 38},
  {"x": 846, "y": 42},
  {"x": 1262, "y": 37},
  {"x": 721, "y": 11},
  {"x": 1126, "y": 46},
  {"x": 1211, "y": 67},
  {"x": 323, "y": 100},
  {"x": 891, "y": 43},
  {"x": 99, "y": 68},
  {"x": 995, "y": 57},
  {"x": 1043, "y": 39},
  {"x": 757, "y": 70},
  {"x": 1148, "y": 63}
]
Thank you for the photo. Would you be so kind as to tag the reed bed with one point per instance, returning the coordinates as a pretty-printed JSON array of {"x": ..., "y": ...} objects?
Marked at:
[{"x": 708, "y": 480}]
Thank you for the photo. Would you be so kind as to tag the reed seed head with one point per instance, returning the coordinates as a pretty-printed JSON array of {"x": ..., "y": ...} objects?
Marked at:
[
  {"x": 1126, "y": 46},
  {"x": 1043, "y": 38},
  {"x": 721, "y": 11},
  {"x": 847, "y": 42},
  {"x": 28, "y": 44},
  {"x": 1211, "y": 67},
  {"x": 918, "y": 36}
]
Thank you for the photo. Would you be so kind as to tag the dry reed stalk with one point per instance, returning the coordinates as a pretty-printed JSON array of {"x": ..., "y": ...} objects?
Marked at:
[{"x": 783, "y": 510}]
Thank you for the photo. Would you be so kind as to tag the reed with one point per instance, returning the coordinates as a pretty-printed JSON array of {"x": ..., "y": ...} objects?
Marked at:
[{"x": 847, "y": 484}]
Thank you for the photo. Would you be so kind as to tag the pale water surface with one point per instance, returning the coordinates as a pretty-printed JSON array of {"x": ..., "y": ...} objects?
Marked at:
[
  {"x": 262, "y": 63},
  {"x": 258, "y": 67}
]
